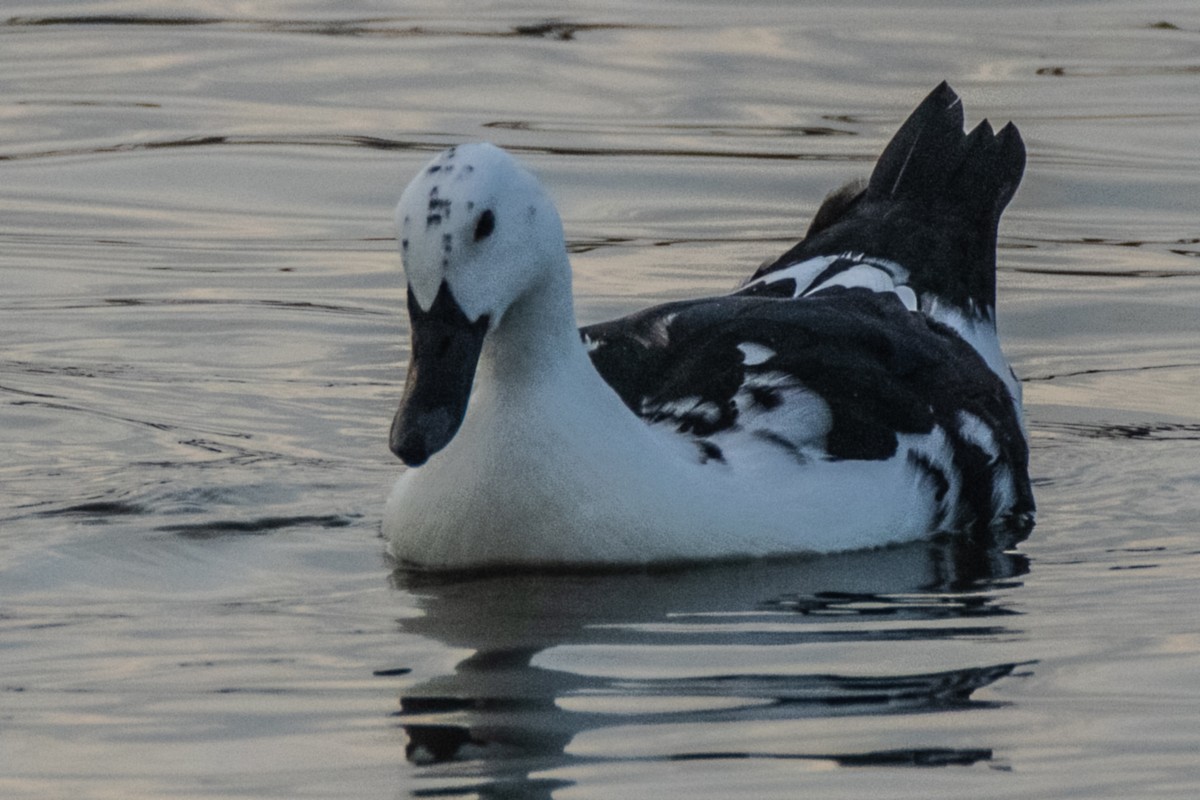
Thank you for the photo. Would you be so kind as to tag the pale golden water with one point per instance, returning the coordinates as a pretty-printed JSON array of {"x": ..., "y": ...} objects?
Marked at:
[{"x": 202, "y": 344}]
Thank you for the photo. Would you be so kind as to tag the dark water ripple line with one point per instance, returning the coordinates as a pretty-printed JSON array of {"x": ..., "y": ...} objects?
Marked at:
[
  {"x": 368, "y": 27},
  {"x": 1113, "y": 273},
  {"x": 88, "y": 103},
  {"x": 1184, "y": 246},
  {"x": 230, "y": 454},
  {"x": 103, "y": 508},
  {"x": 244, "y": 456},
  {"x": 442, "y": 744},
  {"x": 211, "y": 140},
  {"x": 258, "y": 525},
  {"x": 278, "y": 246},
  {"x": 424, "y": 146},
  {"x": 178, "y": 302},
  {"x": 1142, "y": 432},
  {"x": 158, "y": 379},
  {"x": 100, "y": 509},
  {"x": 651, "y": 152},
  {"x": 708, "y": 129},
  {"x": 1118, "y": 71},
  {"x": 1100, "y": 240},
  {"x": 807, "y": 635},
  {"x": 953, "y": 688},
  {"x": 74, "y": 408},
  {"x": 1109, "y": 370},
  {"x": 27, "y": 393},
  {"x": 908, "y": 757}
]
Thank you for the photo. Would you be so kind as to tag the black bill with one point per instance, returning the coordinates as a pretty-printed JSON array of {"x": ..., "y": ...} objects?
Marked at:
[{"x": 445, "y": 352}]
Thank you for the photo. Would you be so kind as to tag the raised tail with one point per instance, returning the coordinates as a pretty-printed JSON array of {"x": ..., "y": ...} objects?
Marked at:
[{"x": 931, "y": 206}]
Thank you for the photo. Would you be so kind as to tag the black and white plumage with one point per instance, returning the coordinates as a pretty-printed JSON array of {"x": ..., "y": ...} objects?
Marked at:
[{"x": 851, "y": 394}]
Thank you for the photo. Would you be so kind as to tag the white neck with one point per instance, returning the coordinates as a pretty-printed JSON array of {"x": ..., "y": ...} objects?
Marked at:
[{"x": 537, "y": 336}]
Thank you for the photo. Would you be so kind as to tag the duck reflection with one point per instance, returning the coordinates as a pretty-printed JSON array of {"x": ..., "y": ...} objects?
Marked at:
[{"x": 559, "y": 657}]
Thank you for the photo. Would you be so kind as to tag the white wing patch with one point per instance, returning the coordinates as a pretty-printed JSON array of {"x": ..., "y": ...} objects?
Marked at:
[
  {"x": 863, "y": 276},
  {"x": 803, "y": 273},
  {"x": 754, "y": 354},
  {"x": 858, "y": 271},
  {"x": 801, "y": 417},
  {"x": 977, "y": 432},
  {"x": 907, "y": 296}
]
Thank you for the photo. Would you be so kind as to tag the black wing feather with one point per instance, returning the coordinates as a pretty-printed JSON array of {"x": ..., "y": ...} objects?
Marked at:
[{"x": 881, "y": 369}]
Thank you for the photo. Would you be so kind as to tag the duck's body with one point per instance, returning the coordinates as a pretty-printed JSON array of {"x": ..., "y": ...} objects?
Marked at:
[{"x": 852, "y": 394}]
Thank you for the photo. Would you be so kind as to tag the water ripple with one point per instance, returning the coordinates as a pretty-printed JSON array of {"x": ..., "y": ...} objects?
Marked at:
[
  {"x": 258, "y": 525},
  {"x": 381, "y": 27},
  {"x": 425, "y": 145}
]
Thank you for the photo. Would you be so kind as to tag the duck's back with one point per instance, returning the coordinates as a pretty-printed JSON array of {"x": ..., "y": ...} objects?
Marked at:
[{"x": 872, "y": 339}]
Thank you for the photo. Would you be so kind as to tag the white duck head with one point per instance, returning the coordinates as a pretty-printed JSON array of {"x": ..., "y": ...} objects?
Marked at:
[{"x": 477, "y": 233}]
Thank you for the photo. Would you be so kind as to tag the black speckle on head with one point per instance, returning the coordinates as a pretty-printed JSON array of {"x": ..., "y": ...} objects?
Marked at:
[
  {"x": 433, "y": 219},
  {"x": 485, "y": 225},
  {"x": 437, "y": 206},
  {"x": 447, "y": 243},
  {"x": 434, "y": 168},
  {"x": 470, "y": 169},
  {"x": 404, "y": 244},
  {"x": 709, "y": 452},
  {"x": 450, "y": 153},
  {"x": 530, "y": 213},
  {"x": 470, "y": 205}
]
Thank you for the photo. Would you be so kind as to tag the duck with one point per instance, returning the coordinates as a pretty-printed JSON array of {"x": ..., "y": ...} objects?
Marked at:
[{"x": 850, "y": 394}]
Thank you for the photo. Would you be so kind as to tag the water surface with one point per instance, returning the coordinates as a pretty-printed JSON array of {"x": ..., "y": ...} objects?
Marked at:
[{"x": 203, "y": 346}]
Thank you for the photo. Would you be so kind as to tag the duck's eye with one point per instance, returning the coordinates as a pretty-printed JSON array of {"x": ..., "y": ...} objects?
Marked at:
[{"x": 485, "y": 225}]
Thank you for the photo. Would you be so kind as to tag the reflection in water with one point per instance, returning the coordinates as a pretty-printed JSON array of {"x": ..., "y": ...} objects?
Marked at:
[{"x": 560, "y": 658}]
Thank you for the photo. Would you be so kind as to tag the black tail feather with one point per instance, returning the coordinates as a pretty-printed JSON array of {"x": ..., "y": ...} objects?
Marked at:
[
  {"x": 924, "y": 149},
  {"x": 932, "y": 205}
]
